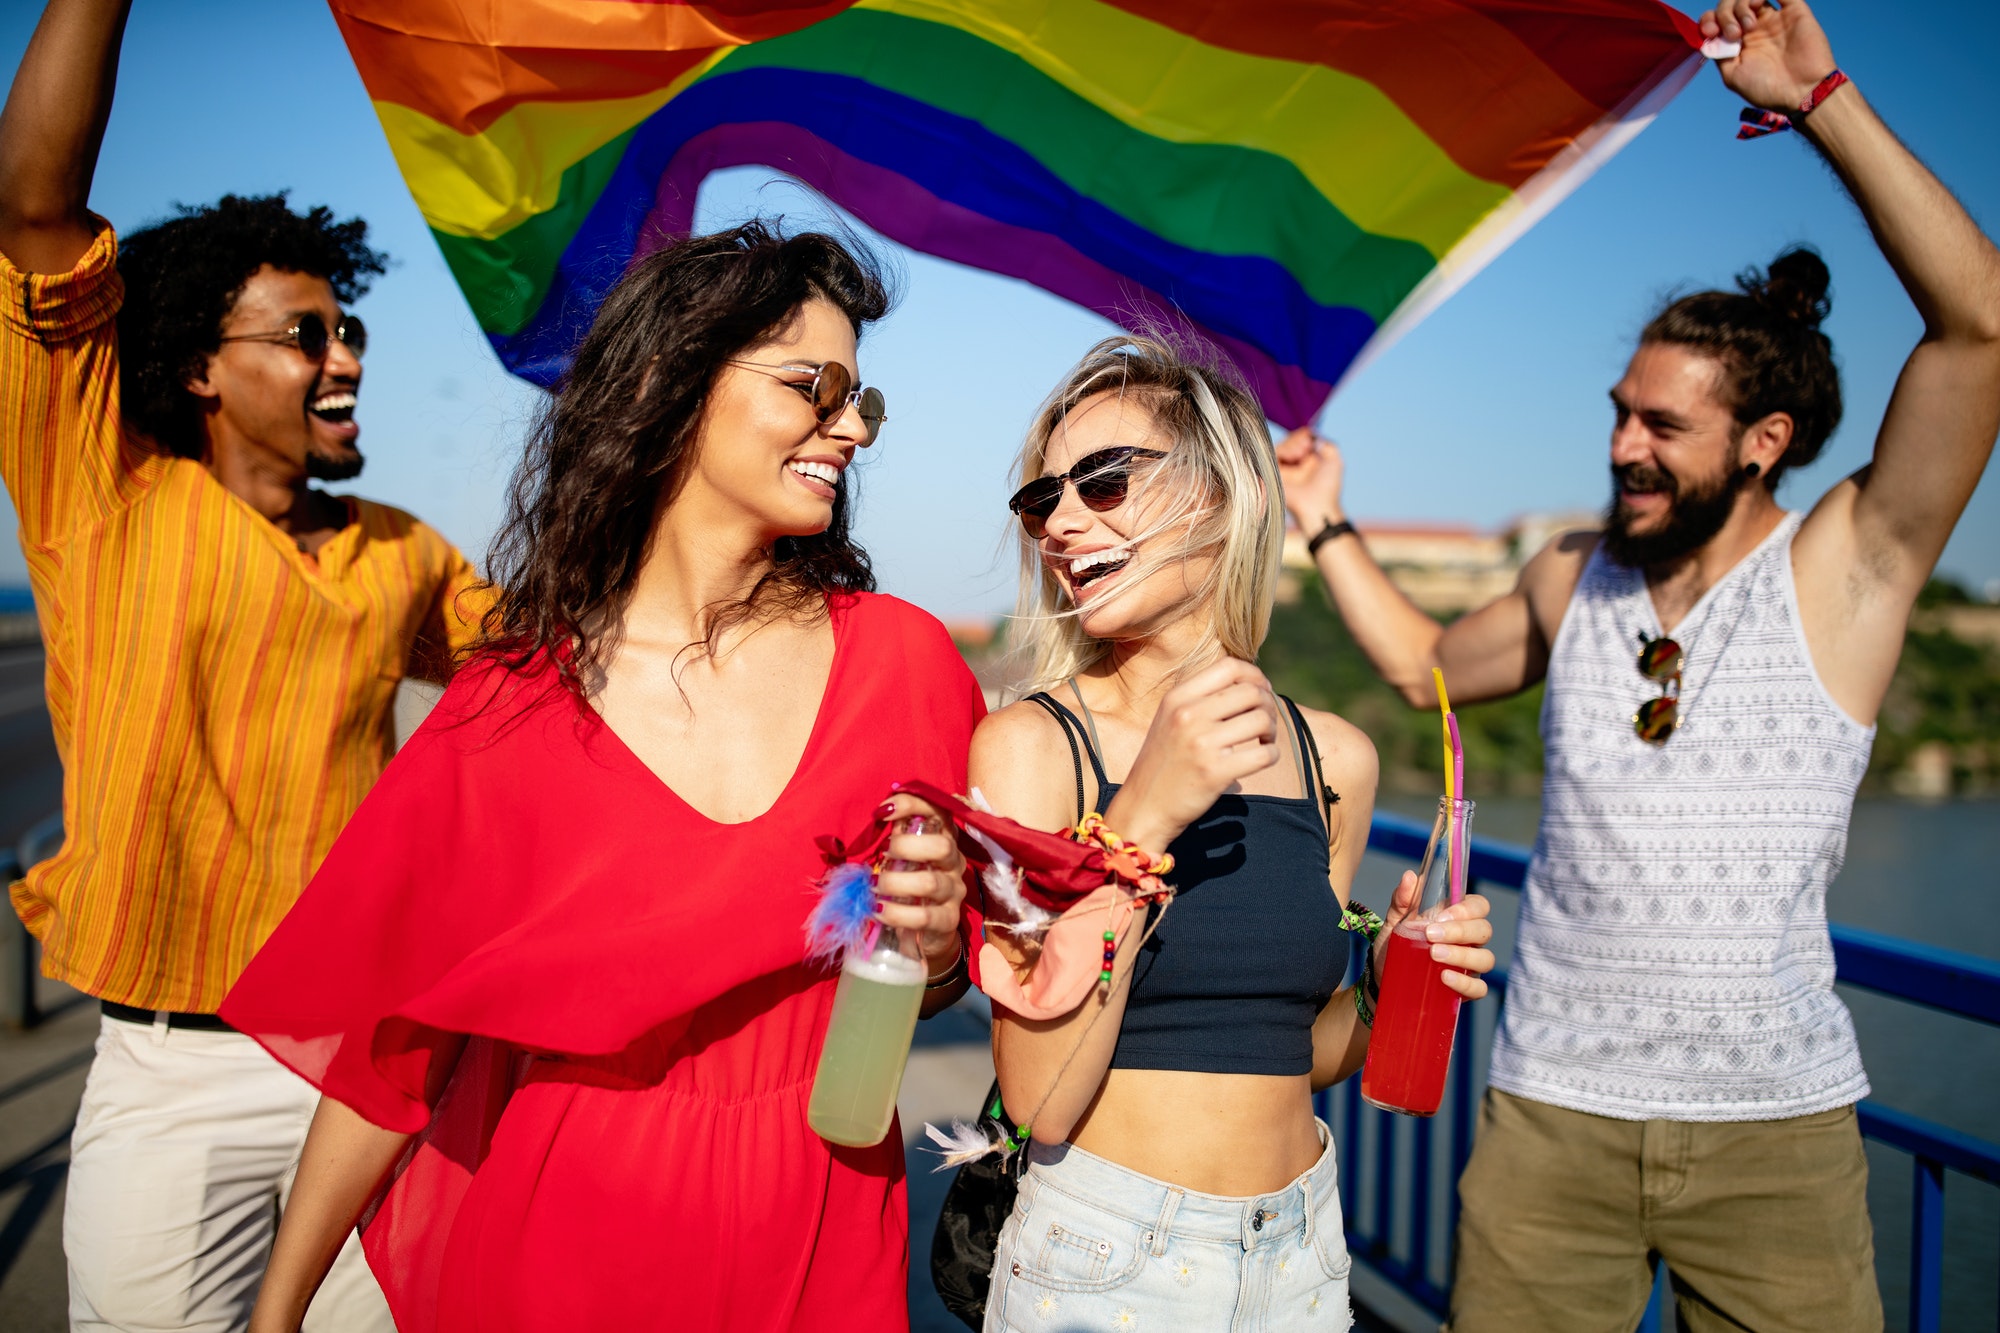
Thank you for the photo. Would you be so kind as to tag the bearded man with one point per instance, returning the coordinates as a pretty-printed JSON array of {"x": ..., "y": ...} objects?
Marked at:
[
  {"x": 1673, "y": 1074},
  {"x": 224, "y": 642}
]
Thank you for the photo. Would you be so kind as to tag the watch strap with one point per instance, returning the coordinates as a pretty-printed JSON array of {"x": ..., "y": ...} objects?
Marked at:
[{"x": 1327, "y": 534}]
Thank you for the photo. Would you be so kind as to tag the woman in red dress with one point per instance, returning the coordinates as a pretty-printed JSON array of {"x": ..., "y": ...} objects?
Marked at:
[{"x": 550, "y": 978}]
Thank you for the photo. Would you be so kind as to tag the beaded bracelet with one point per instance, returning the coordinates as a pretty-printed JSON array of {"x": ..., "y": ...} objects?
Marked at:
[
  {"x": 1133, "y": 865},
  {"x": 1013, "y": 1139},
  {"x": 1127, "y": 860}
]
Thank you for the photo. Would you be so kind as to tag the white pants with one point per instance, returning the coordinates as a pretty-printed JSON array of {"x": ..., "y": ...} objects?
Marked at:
[{"x": 182, "y": 1160}]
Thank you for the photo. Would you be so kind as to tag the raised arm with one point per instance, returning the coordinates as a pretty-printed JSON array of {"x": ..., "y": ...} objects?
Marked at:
[
  {"x": 1500, "y": 649},
  {"x": 51, "y": 130},
  {"x": 1872, "y": 542}
]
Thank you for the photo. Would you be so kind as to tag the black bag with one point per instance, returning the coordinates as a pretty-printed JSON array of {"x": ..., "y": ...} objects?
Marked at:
[{"x": 976, "y": 1205}]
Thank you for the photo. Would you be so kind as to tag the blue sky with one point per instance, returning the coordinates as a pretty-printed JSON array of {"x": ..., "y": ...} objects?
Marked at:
[{"x": 1494, "y": 406}]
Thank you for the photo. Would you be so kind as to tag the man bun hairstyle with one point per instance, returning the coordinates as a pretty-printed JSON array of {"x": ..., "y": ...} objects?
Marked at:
[
  {"x": 1766, "y": 334},
  {"x": 182, "y": 277}
]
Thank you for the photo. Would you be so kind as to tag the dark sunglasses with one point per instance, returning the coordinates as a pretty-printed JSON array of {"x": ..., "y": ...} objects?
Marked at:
[
  {"x": 830, "y": 391},
  {"x": 310, "y": 336},
  {"x": 1660, "y": 660},
  {"x": 1101, "y": 479}
]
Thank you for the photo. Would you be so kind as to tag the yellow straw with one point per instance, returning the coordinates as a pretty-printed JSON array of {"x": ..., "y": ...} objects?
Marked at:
[{"x": 1444, "y": 711}]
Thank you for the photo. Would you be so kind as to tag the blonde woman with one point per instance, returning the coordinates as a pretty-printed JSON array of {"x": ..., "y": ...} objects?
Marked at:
[{"x": 1176, "y": 1170}]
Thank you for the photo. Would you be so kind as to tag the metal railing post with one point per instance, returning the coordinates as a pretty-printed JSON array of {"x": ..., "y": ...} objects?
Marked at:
[
  {"x": 1350, "y": 1153},
  {"x": 1656, "y": 1304},
  {"x": 1420, "y": 1201},
  {"x": 17, "y": 957},
  {"x": 19, "y": 962},
  {"x": 1927, "y": 1248},
  {"x": 1385, "y": 1176}
]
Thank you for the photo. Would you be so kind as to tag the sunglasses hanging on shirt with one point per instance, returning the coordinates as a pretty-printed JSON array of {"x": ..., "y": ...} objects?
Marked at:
[{"x": 1659, "y": 660}]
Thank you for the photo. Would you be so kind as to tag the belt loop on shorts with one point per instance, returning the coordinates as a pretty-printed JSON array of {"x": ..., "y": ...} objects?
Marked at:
[
  {"x": 1306, "y": 1232},
  {"x": 1167, "y": 1211},
  {"x": 159, "y": 1028}
]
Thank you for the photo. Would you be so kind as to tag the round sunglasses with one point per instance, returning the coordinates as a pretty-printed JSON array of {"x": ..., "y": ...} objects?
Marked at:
[
  {"x": 1659, "y": 660},
  {"x": 830, "y": 390},
  {"x": 311, "y": 336},
  {"x": 1102, "y": 480}
]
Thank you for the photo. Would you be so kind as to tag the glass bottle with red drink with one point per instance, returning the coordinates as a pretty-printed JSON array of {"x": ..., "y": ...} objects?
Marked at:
[{"x": 1409, "y": 1052}]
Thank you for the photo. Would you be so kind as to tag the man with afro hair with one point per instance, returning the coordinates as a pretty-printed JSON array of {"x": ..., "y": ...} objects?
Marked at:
[{"x": 224, "y": 643}]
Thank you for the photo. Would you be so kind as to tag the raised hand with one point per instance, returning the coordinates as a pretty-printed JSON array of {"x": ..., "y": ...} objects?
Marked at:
[
  {"x": 1312, "y": 472},
  {"x": 1785, "y": 52},
  {"x": 1211, "y": 731},
  {"x": 51, "y": 129}
]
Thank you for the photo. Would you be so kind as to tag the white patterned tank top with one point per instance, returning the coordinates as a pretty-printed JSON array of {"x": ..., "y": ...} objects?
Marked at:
[{"x": 1673, "y": 960}]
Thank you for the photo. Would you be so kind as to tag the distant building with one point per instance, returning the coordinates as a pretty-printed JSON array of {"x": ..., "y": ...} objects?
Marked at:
[
  {"x": 1450, "y": 567},
  {"x": 982, "y": 645},
  {"x": 1973, "y": 623}
]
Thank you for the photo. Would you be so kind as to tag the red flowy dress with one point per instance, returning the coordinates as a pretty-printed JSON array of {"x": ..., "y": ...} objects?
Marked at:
[{"x": 623, "y": 1144}]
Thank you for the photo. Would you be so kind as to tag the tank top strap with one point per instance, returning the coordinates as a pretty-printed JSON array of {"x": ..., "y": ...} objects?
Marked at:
[
  {"x": 1073, "y": 731},
  {"x": 1311, "y": 772},
  {"x": 1093, "y": 744}
]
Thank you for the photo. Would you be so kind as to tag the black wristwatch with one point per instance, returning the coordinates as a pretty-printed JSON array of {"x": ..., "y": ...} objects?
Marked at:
[{"x": 1327, "y": 534}]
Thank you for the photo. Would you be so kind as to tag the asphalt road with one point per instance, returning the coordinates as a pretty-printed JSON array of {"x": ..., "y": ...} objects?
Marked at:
[{"x": 41, "y": 1071}]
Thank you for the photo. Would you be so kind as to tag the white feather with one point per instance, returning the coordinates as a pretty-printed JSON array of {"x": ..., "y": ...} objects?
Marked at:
[
  {"x": 1002, "y": 879},
  {"x": 965, "y": 1143}
]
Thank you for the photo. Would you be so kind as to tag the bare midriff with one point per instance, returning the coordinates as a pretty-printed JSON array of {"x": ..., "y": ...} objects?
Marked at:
[{"x": 1229, "y": 1134}]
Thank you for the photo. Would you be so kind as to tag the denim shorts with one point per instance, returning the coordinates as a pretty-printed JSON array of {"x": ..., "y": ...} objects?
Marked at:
[{"x": 1091, "y": 1246}]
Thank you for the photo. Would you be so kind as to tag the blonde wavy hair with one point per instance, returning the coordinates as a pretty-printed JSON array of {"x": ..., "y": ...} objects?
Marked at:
[{"x": 1219, "y": 483}]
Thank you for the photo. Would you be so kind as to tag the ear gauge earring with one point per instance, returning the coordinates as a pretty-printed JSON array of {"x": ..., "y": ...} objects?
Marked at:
[{"x": 1750, "y": 471}]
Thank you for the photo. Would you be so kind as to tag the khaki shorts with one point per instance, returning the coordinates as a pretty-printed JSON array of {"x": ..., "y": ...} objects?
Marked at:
[{"x": 1763, "y": 1224}]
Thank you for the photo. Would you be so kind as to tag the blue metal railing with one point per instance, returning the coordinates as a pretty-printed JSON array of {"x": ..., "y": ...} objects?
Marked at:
[
  {"x": 1388, "y": 1163},
  {"x": 19, "y": 955}
]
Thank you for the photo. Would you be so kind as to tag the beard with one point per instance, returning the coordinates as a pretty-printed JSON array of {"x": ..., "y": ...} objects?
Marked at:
[
  {"x": 1696, "y": 514},
  {"x": 343, "y": 466}
]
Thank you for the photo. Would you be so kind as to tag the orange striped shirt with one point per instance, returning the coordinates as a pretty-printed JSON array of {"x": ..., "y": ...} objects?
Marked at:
[{"x": 221, "y": 702}]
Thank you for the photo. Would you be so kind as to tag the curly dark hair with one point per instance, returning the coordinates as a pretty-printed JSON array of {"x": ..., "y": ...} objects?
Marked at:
[
  {"x": 182, "y": 278},
  {"x": 614, "y": 442},
  {"x": 1775, "y": 359}
]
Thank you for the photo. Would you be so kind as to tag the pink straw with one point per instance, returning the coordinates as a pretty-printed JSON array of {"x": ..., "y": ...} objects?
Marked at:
[{"x": 1455, "y": 841}]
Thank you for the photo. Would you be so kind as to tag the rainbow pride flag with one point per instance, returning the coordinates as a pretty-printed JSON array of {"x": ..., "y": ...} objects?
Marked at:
[{"x": 1299, "y": 180}]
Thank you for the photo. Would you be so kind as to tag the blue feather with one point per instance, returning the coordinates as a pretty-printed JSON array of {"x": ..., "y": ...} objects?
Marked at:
[{"x": 846, "y": 910}]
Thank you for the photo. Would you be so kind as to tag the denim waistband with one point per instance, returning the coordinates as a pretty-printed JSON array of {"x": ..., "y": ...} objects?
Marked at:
[{"x": 1251, "y": 1220}]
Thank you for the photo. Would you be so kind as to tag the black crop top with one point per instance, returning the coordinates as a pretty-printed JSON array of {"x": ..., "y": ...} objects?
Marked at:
[{"x": 1252, "y": 946}]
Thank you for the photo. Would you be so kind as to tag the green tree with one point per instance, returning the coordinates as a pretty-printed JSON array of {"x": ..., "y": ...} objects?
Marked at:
[
  {"x": 1310, "y": 656},
  {"x": 1946, "y": 690}
]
